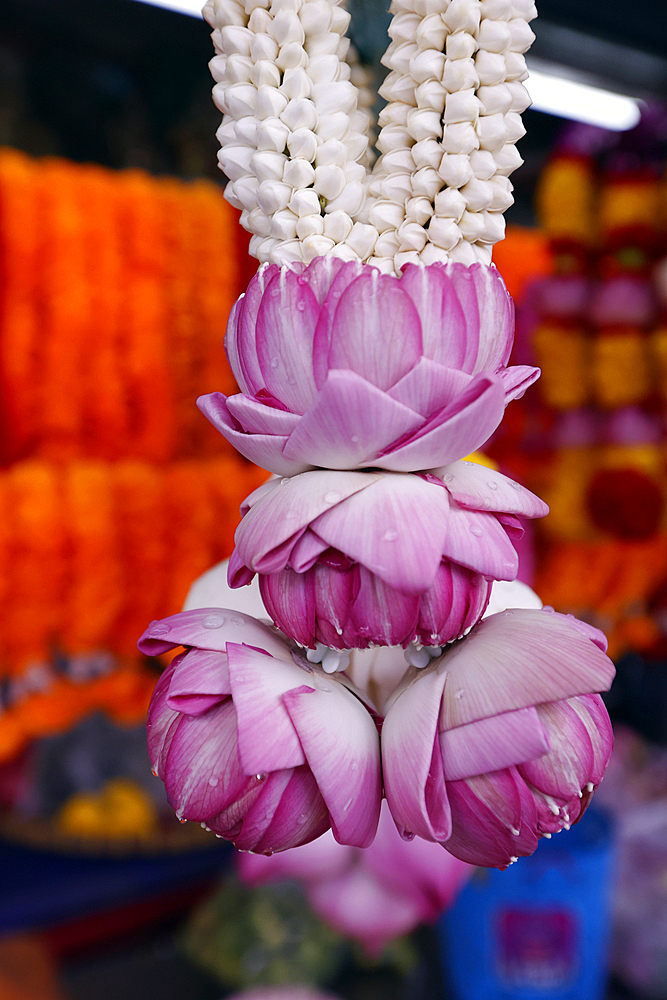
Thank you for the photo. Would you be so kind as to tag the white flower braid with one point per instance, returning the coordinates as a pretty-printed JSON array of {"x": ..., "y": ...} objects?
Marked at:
[{"x": 294, "y": 137}]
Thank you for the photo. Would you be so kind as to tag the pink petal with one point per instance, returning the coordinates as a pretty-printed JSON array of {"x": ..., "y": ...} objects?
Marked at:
[
  {"x": 285, "y": 328},
  {"x": 320, "y": 274},
  {"x": 307, "y": 551},
  {"x": 381, "y": 614},
  {"x": 248, "y": 380},
  {"x": 429, "y": 386},
  {"x": 348, "y": 424},
  {"x": 378, "y": 528},
  {"x": 489, "y": 313},
  {"x": 594, "y": 715},
  {"x": 409, "y": 738},
  {"x": 457, "y": 430},
  {"x": 564, "y": 771},
  {"x": 516, "y": 659},
  {"x": 443, "y": 323},
  {"x": 211, "y": 628},
  {"x": 200, "y": 681},
  {"x": 256, "y": 417},
  {"x": 362, "y": 907},
  {"x": 376, "y": 330},
  {"x": 240, "y": 340},
  {"x": 476, "y": 540},
  {"x": 290, "y": 601},
  {"x": 477, "y": 488},
  {"x": 517, "y": 379},
  {"x": 493, "y": 743},
  {"x": 454, "y": 603},
  {"x": 238, "y": 575},
  {"x": 266, "y": 737},
  {"x": 334, "y": 592},
  {"x": 282, "y": 513},
  {"x": 246, "y": 818},
  {"x": 300, "y": 815},
  {"x": 268, "y": 487},
  {"x": 161, "y": 720},
  {"x": 265, "y": 450},
  {"x": 342, "y": 748},
  {"x": 348, "y": 273}
]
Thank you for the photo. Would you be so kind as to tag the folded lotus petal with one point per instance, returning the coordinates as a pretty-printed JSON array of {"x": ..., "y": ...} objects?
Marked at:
[
  {"x": 533, "y": 657},
  {"x": 268, "y": 487},
  {"x": 248, "y": 815},
  {"x": 377, "y": 527},
  {"x": 290, "y": 597},
  {"x": 299, "y": 816},
  {"x": 265, "y": 450},
  {"x": 348, "y": 273},
  {"x": 240, "y": 337},
  {"x": 375, "y": 310},
  {"x": 340, "y": 741},
  {"x": 517, "y": 379},
  {"x": 590, "y": 631},
  {"x": 361, "y": 907},
  {"x": 267, "y": 740},
  {"x": 283, "y": 512},
  {"x": 453, "y": 605},
  {"x": 444, "y": 326},
  {"x": 321, "y": 273},
  {"x": 477, "y": 540},
  {"x": 334, "y": 592},
  {"x": 286, "y": 322},
  {"x": 393, "y": 614},
  {"x": 255, "y": 417},
  {"x": 161, "y": 720},
  {"x": 232, "y": 345},
  {"x": 592, "y": 712},
  {"x": 348, "y": 424},
  {"x": 460, "y": 428},
  {"x": 494, "y": 819},
  {"x": 203, "y": 627},
  {"x": 477, "y": 488},
  {"x": 514, "y": 529},
  {"x": 488, "y": 311},
  {"x": 200, "y": 681},
  {"x": 409, "y": 737},
  {"x": 203, "y": 791},
  {"x": 238, "y": 574},
  {"x": 429, "y": 386},
  {"x": 307, "y": 551},
  {"x": 564, "y": 771},
  {"x": 493, "y": 743}
]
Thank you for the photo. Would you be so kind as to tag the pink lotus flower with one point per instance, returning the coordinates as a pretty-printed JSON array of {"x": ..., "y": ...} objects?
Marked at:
[
  {"x": 353, "y": 558},
  {"x": 342, "y": 367},
  {"x": 253, "y": 741},
  {"x": 500, "y": 741},
  {"x": 371, "y": 895}
]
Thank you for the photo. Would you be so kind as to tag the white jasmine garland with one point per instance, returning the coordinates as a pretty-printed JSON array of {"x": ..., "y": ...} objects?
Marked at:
[{"x": 296, "y": 121}]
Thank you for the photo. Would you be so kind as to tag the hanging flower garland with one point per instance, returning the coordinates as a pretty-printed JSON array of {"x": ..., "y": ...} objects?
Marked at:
[{"x": 371, "y": 352}]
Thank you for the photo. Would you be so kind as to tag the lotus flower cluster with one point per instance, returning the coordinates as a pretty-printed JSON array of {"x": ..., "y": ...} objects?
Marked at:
[{"x": 342, "y": 367}]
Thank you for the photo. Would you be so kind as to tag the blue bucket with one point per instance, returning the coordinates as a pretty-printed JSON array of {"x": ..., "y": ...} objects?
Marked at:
[{"x": 540, "y": 930}]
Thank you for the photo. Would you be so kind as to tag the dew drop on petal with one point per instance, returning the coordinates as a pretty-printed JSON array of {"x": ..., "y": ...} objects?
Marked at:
[
  {"x": 213, "y": 621},
  {"x": 492, "y": 485},
  {"x": 448, "y": 478},
  {"x": 516, "y": 486},
  {"x": 301, "y": 305},
  {"x": 476, "y": 530},
  {"x": 261, "y": 777},
  {"x": 284, "y": 482},
  {"x": 407, "y": 835},
  {"x": 355, "y": 439},
  {"x": 213, "y": 782},
  {"x": 332, "y": 497},
  {"x": 159, "y": 628},
  {"x": 459, "y": 694},
  {"x": 275, "y": 362},
  {"x": 390, "y": 535},
  {"x": 238, "y": 621}
]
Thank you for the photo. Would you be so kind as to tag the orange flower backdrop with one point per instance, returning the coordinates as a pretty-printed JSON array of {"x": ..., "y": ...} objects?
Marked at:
[{"x": 115, "y": 492}]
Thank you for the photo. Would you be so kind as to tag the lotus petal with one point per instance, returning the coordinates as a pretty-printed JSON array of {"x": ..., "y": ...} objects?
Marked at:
[
  {"x": 476, "y": 487},
  {"x": 255, "y": 417},
  {"x": 211, "y": 628},
  {"x": 493, "y": 743},
  {"x": 200, "y": 681},
  {"x": 429, "y": 386},
  {"x": 517, "y": 379}
]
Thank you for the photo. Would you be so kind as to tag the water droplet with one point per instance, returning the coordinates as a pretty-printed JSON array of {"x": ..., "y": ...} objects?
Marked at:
[
  {"x": 448, "y": 477},
  {"x": 238, "y": 621},
  {"x": 407, "y": 835},
  {"x": 275, "y": 362},
  {"x": 323, "y": 687},
  {"x": 516, "y": 486},
  {"x": 459, "y": 694},
  {"x": 332, "y": 497},
  {"x": 267, "y": 854},
  {"x": 301, "y": 305},
  {"x": 213, "y": 782},
  {"x": 355, "y": 439},
  {"x": 476, "y": 530},
  {"x": 492, "y": 485},
  {"x": 467, "y": 463},
  {"x": 214, "y": 620},
  {"x": 284, "y": 482},
  {"x": 390, "y": 535},
  {"x": 261, "y": 777},
  {"x": 159, "y": 628}
]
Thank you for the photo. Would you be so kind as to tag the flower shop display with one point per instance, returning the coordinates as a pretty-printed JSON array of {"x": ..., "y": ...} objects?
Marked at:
[{"x": 371, "y": 353}]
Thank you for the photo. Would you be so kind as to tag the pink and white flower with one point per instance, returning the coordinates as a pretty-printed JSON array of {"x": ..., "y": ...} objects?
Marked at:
[
  {"x": 348, "y": 559},
  {"x": 256, "y": 743},
  {"x": 502, "y": 740},
  {"x": 372, "y": 895},
  {"x": 342, "y": 367}
]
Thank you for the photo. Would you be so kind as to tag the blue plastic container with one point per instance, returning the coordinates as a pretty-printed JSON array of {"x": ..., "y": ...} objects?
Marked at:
[{"x": 540, "y": 930}]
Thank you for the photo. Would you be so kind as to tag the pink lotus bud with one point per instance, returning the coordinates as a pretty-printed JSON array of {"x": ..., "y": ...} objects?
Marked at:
[
  {"x": 343, "y": 561},
  {"x": 255, "y": 742},
  {"x": 501, "y": 741},
  {"x": 345, "y": 368},
  {"x": 372, "y": 895}
]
